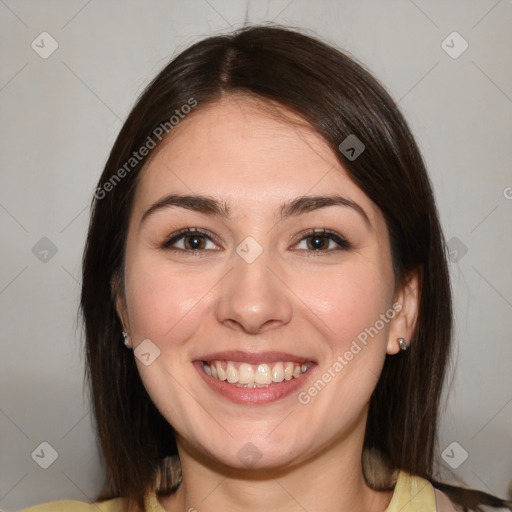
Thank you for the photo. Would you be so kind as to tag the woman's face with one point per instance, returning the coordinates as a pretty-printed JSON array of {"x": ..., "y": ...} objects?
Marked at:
[{"x": 252, "y": 257}]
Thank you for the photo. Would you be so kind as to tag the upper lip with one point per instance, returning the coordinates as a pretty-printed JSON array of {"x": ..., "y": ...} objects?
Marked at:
[{"x": 254, "y": 357}]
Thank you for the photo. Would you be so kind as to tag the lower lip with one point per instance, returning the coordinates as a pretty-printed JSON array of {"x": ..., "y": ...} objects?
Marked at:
[{"x": 253, "y": 396}]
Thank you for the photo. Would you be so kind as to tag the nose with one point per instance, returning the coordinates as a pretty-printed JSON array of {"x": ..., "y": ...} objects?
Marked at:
[{"x": 252, "y": 298}]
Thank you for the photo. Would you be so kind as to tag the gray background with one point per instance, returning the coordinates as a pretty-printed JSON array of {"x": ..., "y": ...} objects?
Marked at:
[{"x": 60, "y": 116}]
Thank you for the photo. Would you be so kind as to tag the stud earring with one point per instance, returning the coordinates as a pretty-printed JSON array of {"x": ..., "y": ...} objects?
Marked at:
[
  {"x": 126, "y": 340},
  {"x": 401, "y": 342}
]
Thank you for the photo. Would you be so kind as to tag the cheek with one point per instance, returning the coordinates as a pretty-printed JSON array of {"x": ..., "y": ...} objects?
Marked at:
[
  {"x": 164, "y": 302},
  {"x": 349, "y": 301},
  {"x": 348, "y": 304},
  {"x": 166, "y": 305}
]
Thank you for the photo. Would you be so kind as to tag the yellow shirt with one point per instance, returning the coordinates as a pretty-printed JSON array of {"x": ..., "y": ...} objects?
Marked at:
[{"x": 411, "y": 494}]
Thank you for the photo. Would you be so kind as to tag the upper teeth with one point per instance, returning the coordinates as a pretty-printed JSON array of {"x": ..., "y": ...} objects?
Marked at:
[{"x": 248, "y": 375}]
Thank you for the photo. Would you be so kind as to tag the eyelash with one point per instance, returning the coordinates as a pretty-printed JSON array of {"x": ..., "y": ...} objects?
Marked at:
[
  {"x": 182, "y": 233},
  {"x": 343, "y": 243}
]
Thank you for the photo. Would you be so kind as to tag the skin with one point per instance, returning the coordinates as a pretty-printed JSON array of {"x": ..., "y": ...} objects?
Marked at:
[{"x": 291, "y": 298}]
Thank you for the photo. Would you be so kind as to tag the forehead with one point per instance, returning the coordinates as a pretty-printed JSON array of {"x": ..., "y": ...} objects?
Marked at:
[{"x": 250, "y": 154}]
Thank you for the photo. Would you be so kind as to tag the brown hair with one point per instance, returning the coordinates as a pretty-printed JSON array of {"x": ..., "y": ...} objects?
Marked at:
[{"x": 338, "y": 98}]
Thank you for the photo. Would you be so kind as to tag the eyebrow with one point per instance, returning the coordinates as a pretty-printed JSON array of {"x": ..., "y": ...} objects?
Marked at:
[
  {"x": 213, "y": 207},
  {"x": 305, "y": 204},
  {"x": 201, "y": 204}
]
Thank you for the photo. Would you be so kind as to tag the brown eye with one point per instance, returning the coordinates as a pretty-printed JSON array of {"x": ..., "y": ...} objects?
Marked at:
[
  {"x": 194, "y": 242},
  {"x": 191, "y": 241},
  {"x": 318, "y": 242},
  {"x": 322, "y": 241}
]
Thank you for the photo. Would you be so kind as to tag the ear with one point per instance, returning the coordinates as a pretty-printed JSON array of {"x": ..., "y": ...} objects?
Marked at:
[
  {"x": 407, "y": 301},
  {"x": 118, "y": 296}
]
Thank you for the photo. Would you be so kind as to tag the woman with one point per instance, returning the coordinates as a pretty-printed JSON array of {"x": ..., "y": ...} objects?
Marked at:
[{"x": 265, "y": 241}]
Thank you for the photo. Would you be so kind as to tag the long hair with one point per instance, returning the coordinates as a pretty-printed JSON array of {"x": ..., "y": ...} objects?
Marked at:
[{"x": 338, "y": 98}]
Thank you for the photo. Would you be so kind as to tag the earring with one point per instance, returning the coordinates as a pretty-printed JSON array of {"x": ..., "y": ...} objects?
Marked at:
[
  {"x": 401, "y": 342},
  {"x": 126, "y": 340}
]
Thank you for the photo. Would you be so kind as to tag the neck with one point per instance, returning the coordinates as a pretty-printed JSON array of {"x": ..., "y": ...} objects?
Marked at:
[{"x": 333, "y": 479}]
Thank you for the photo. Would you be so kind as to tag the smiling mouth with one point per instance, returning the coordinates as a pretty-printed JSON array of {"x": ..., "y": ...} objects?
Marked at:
[{"x": 261, "y": 375}]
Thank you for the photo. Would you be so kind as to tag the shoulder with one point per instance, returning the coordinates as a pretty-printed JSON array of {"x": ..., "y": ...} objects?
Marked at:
[
  {"x": 116, "y": 505},
  {"x": 444, "y": 504},
  {"x": 415, "y": 494}
]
